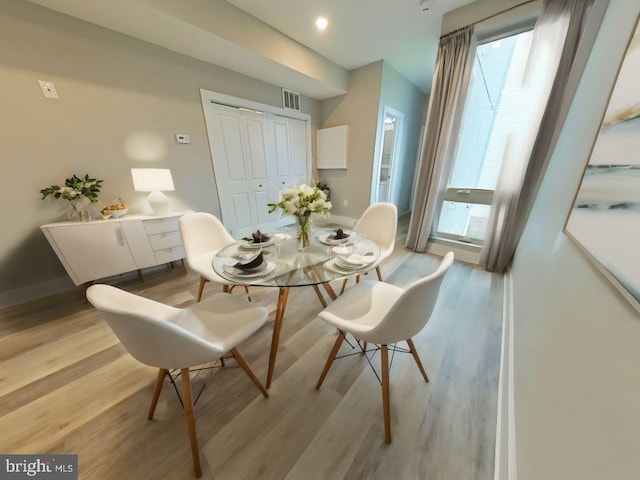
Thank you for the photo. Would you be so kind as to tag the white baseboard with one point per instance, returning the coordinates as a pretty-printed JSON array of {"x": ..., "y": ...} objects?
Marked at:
[
  {"x": 38, "y": 290},
  {"x": 505, "y": 457},
  {"x": 464, "y": 253}
]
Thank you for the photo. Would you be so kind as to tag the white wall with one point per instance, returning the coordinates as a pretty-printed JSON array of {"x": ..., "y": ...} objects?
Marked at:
[{"x": 576, "y": 340}]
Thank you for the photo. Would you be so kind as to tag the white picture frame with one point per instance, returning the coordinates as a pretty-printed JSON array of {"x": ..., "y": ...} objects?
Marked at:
[{"x": 332, "y": 144}]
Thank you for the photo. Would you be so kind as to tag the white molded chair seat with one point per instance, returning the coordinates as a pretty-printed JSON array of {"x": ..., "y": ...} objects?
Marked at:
[
  {"x": 172, "y": 338},
  {"x": 384, "y": 314},
  {"x": 203, "y": 235}
]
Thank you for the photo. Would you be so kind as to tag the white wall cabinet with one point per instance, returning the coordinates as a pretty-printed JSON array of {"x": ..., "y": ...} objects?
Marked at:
[{"x": 92, "y": 250}]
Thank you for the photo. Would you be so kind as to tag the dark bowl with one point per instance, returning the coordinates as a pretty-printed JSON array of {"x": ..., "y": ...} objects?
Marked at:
[{"x": 253, "y": 263}]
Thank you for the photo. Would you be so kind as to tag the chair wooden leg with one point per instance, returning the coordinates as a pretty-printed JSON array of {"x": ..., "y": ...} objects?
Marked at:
[
  {"x": 379, "y": 273},
  {"x": 332, "y": 357},
  {"x": 227, "y": 288},
  {"x": 320, "y": 297},
  {"x": 201, "y": 288},
  {"x": 344, "y": 285},
  {"x": 364, "y": 347},
  {"x": 357, "y": 278},
  {"x": 248, "y": 371},
  {"x": 386, "y": 407},
  {"x": 162, "y": 372},
  {"x": 416, "y": 357},
  {"x": 246, "y": 289},
  {"x": 191, "y": 421}
]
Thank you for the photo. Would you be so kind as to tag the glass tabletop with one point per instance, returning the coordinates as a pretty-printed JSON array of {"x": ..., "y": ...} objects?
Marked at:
[{"x": 284, "y": 266}]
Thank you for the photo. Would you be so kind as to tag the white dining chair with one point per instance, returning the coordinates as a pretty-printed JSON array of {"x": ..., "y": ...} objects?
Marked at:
[
  {"x": 383, "y": 314},
  {"x": 379, "y": 223},
  {"x": 173, "y": 339},
  {"x": 203, "y": 235}
]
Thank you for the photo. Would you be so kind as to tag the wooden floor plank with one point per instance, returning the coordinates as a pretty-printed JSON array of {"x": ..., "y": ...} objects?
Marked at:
[{"x": 69, "y": 387}]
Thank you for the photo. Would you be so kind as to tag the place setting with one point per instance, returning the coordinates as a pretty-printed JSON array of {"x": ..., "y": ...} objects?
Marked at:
[
  {"x": 338, "y": 237},
  {"x": 249, "y": 265},
  {"x": 257, "y": 240},
  {"x": 347, "y": 262}
]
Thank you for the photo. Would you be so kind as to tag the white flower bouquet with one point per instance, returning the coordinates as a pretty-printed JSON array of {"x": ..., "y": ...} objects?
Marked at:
[{"x": 301, "y": 202}]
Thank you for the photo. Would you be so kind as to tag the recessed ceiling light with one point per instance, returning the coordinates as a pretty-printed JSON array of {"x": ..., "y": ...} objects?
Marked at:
[{"x": 321, "y": 23}]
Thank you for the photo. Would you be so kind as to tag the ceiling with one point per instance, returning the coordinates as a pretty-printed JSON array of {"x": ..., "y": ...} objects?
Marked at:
[{"x": 276, "y": 40}]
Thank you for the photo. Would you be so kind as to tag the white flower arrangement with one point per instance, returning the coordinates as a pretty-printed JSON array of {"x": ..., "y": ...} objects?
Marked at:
[{"x": 302, "y": 201}]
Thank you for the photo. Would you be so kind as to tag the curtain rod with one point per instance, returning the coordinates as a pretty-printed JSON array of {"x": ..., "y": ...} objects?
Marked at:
[{"x": 513, "y": 7}]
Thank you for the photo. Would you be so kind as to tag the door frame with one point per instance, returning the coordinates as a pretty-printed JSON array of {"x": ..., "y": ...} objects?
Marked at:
[
  {"x": 208, "y": 97},
  {"x": 397, "y": 155}
]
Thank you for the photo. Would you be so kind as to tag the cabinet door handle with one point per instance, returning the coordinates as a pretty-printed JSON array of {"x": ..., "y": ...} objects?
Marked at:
[
  {"x": 120, "y": 237},
  {"x": 260, "y": 186}
]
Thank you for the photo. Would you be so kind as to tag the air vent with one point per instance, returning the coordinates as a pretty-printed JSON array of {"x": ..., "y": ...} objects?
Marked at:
[{"x": 290, "y": 100}]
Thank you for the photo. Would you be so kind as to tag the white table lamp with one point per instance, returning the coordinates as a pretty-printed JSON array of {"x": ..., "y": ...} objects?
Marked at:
[{"x": 156, "y": 181}]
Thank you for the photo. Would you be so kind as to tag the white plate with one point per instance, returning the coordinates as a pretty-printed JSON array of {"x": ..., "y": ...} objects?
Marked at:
[
  {"x": 331, "y": 265},
  {"x": 250, "y": 244},
  {"x": 261, "y": 271},
  {"x": 355, "y": 260},
  {"x": 343, "y": 241}
]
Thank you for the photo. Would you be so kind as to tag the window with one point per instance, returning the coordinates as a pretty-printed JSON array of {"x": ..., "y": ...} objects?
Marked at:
[{"x": 491, "y": 116}]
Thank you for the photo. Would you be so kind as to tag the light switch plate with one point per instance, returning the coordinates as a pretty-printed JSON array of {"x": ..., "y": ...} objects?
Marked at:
[
  {"x": 48, "y": 89},
  {"x": 182, "y": 138}
]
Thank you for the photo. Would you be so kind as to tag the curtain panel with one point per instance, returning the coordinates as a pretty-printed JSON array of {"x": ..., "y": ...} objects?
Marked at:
[
  {"x": 450, "y": 79},
  {"x": 555, "y": 42}
]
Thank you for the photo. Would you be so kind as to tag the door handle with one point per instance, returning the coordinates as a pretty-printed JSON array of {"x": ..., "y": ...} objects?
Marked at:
[{"x": 119, "y": 237}]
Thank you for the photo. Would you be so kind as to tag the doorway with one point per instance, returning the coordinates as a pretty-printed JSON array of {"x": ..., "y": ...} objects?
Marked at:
[{"x": 385, "y": 176}]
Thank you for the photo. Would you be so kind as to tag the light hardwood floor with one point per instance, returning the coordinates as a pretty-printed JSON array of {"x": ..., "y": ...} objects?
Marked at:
[{"x": 67, "y": 386}]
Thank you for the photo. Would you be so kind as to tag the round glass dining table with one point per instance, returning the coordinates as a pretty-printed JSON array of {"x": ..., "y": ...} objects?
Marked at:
[{"x": 285, "y": 267}]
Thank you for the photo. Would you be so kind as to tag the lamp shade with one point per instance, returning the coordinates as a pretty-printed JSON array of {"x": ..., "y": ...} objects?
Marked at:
[{"x": 152, "y": 179}]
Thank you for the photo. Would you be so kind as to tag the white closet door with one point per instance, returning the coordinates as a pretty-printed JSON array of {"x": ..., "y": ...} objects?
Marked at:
[
  {"x": 255, "y": 156},
  {"x": 242, "y": 159}
]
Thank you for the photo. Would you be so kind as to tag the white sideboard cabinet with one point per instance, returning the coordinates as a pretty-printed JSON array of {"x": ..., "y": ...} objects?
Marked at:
[{"x": 102, "y": 248}]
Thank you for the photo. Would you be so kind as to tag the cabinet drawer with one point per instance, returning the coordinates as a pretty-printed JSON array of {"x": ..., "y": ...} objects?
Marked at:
[
  {"x": 160, "y": 241},
  {"x": 161, "y": 225},
  {"x": 169, "y": 254}
]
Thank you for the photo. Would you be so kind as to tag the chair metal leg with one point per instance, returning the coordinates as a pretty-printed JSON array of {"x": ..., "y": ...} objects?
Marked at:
[
  {"x": 416, "y": 357},
  {"x": 331, "y": 358},
  {"x": 386, "y": 407},
  {"x": 162, "y": 372},
  {"x": 248, "y": 371},
  {"x": 191, "y": 422},
  {"x": 201, "y": 288},
  {"x": 379, "y": 273}
]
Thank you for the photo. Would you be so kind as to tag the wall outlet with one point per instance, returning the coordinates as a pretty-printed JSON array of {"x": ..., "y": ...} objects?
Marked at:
[
  {"x": 345, "y": 203},
  {"x": 182, "y": 138},
  {"x": 48, "y": 89}
]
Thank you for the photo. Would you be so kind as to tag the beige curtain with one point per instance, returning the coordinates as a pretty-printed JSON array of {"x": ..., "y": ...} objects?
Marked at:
[
  {"x": 553, "y": 49},
  {"x": 445, "y": 105}
]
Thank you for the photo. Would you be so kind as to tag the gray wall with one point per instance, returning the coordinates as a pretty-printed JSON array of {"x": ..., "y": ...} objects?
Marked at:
[
  {"x": 360, "y": 109},
  {"x": 400, "y": 94},
  {"x": 114, "y": 90},
  {"x": 576, "y": 340}
]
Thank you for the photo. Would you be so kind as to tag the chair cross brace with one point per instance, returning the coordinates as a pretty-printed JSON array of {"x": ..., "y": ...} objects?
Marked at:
[
  {"x": 392, "y": 347},
  {"x": 173, "y": 378}
]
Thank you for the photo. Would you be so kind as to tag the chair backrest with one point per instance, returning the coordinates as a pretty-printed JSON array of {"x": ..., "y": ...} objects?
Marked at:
[
  {"x": 379, "y": 222},
  {"x": 412, "y": 310},
  {"x": 145, "y": 329},
  {"x": 202, "y": 233}
]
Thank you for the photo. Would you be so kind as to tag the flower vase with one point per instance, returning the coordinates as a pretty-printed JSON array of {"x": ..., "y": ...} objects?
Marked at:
[
  {"x": 73, "y": 212},
  {"x": 304, "y": 232}
]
